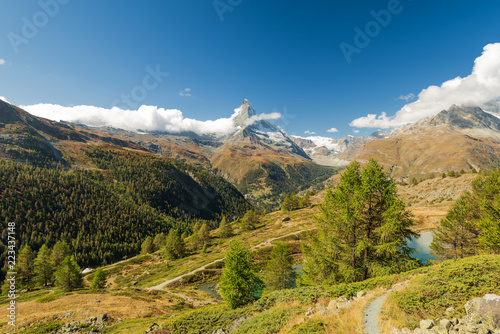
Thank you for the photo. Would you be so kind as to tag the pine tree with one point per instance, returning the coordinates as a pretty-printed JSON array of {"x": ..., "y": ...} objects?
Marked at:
[
  {"x": 59, "y": 253},
  {"x": 159, "y": 241},
  {"x": 43, "y": 266},
  {"x": 225, "y": 229},
  {"x": 99, "y": 281},
  {"x": 26, "y": 267},
  {"x": 279, "y": 270},
  {"x": 457, "y": 234},
  {"x": 175, "y": 248},
  {"x": 68, "y": 275},
  {"x": 250, "y": 221},
  {"x": 204, "y": 234},
  {"x": 364, "y": 229},
  {"x": 239, "y": 285},
  {"x": 472, "y": 224},
  {"x": 305, "y": 201},
  {"x": 147, "y": 246}
]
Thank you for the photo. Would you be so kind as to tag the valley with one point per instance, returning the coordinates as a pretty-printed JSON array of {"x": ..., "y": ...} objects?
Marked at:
[{"x": 104, "y": 191}]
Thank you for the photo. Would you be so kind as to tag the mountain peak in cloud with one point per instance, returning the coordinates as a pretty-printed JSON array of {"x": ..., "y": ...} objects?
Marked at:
[{"x": 150, "y": 118}]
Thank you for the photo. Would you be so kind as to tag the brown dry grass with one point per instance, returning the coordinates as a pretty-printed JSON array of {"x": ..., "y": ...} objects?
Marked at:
[
  {"x": 86, "y": 305},
  {"x": 348, "y": 320}
]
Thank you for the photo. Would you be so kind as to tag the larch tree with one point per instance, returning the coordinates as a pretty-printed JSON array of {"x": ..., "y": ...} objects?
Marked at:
[
  {"x": 250, "y": 220},
  {"x": 59, "y": 252},
  {"x": 43, "y": 266},
  {"x": 204, "y": 234},
  {"x": 147, "y": 246},
  {"x": 26, "y": 267},
  {"x": 159, "y": 241},
  {"x": 175, "y": 247},
  {"x": 364, "y": 229},
  {"x": 239, "y": 285},
  {"x": 279, "y": 273},
  {"x": 99, "y": 280},
  {"x": 456, "y": 236},
  {"x": 225, "y": 230},
  {"x": 68, "y": 275}
]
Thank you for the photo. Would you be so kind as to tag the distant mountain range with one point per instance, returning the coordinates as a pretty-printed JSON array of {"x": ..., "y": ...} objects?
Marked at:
[
  {"x": 263, "y": 162},
  {"x": 455, "y": 139}
]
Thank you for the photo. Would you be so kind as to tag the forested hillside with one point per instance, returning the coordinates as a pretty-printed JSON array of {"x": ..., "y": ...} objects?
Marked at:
[{"x": 104, "y": 213}]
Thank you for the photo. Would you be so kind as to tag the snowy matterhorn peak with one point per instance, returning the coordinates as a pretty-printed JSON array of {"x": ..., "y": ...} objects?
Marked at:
[{"x": 243, "y": 113}]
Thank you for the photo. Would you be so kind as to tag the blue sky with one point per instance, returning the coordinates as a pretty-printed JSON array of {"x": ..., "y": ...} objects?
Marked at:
[{"x": 283, "y": 56}]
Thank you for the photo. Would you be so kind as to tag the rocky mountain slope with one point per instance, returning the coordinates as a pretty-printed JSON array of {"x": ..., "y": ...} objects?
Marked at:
[
  {"x": 89, "y": 187},
  {"x": 334, "y": 152},
  {"x": 259, "y": 158},
  {"x": 460, "y": 138}
]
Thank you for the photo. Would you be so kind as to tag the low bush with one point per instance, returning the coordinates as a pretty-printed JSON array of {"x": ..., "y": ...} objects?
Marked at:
[
  {"x": 449, "y": 284},
  {"x": 206, "y": 320},
  {"x": 266, "y": 323}
]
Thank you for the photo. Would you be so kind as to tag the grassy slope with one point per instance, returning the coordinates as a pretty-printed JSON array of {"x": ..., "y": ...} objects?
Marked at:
[{"x": 139, "y": 308}]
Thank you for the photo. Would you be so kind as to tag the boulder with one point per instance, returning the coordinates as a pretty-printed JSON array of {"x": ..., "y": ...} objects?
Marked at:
[
  {"x": 445, "y": 324},
  {"x": 426, "y": 324},
  {"x": 332, "y": 305},
  {"x": 321, "y": 309},
  {"x": 154, "y": 326},
  {"x": 219, "y": 331},
  {"x": 361, "y": 293},
  {"x": 484, "y": 310}
]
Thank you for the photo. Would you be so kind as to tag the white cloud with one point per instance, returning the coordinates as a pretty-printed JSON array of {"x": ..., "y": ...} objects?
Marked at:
[
  {"x": 147, "y": 118},
  {"x": 260, "y": 117},
  {"x": 4, "y": 99},
  {"x": 327, "y": 142},
  {"x": 185, "y": 92},
  {"x": 407, "y": 98},
  {"x": 476, "y": 89},
  {"x": 2, "y": 61},
  {"x": 309, "y": 132},
  {"x": 332, "y": 130},
  {"x": 355, "y": 131}
]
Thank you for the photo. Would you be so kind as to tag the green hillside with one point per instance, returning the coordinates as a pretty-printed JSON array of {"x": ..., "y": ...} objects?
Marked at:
[{"x": 104, "y": 213}]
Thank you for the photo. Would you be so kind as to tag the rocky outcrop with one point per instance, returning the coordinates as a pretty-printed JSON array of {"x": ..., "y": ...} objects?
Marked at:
[
  {"x": 483, "y": 317},
  {"x": 89, "y": 325}
]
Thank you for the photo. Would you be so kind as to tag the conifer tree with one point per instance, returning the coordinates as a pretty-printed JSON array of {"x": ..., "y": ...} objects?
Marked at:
[
  {"x": 159, "y": 241},
  {"x": 456, "y": 236},
  {"x": 59, "y": 253},
  {"x": 26, "y": 267},
  {"x": 175, "y": 248},
  {"x": 43, "y": 266},
  {"x": 99, "y": 281},
  {"x": 204, "y": 234},
  {"x": 250, "y": 221},
  {"x": 239, "y": 285},
  {"x": 68, "y": 275},
  {"x": 225, "y": 229},
  {"x": 279, "y": 270},
  {"x": 364, "y": 229},
  {"x": 147, "y": 246}
]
